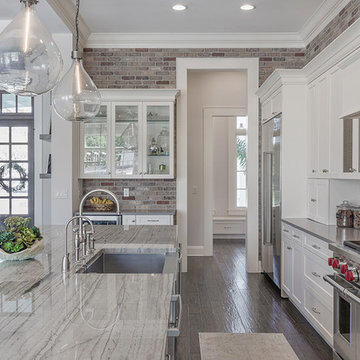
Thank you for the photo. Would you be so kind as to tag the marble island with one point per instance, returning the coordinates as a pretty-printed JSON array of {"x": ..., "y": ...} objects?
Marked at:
[{"x": 45, "y": 315}]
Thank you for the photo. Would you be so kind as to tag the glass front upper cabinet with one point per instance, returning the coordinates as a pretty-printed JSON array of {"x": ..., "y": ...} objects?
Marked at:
[
  {"x": 95, "y": 145},
  {"x": 158, "y": 139},
  {"x": 127, "y": 147}
]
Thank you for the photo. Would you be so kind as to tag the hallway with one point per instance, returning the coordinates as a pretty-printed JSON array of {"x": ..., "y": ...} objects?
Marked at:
[{"x": 219, "y": 296}]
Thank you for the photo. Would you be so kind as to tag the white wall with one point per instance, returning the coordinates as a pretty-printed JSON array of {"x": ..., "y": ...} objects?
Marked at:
[
  {"x": 206, "y": 89},
  {"x": 221, "y": 169},
  {"x": 64, "y": 153}
]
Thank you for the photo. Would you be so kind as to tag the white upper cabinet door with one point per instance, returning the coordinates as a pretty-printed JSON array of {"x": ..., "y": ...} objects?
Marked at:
[
  {"x": 313, "y": 130},
  {"x": 351, "y": 77},
  {"x": 312, "y": 199},
  {"x": 323, "y": 194},
  {"x": 323, "y": 114},
  {"x": 95, "y": 145},
  {"x": 336, "y": 124},
  {"x": 127, "y": 139}
]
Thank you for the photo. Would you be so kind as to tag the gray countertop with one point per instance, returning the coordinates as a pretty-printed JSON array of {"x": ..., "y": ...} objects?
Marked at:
[
  {"x": 45, "y": 315},
  {"x": 328, "y": 233}
]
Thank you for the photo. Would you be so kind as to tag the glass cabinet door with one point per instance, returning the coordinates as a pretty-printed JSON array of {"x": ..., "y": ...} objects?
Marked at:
[
  {"x": 158, "y": 140},
  {"x": 127, "y": 156},
  {"x": 95, "y": 148}
]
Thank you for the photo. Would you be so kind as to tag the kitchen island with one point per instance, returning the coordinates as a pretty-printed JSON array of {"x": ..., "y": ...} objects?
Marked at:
[{"x": 46, "y": 315}]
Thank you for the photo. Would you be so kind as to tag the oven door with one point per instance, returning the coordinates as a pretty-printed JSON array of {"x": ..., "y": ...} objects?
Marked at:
[{"x": 346, "y": 317}]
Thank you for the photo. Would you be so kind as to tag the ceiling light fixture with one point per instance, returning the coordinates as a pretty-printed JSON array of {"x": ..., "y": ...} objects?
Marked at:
[
  {"x": 76, "y": 98},
  {"x": 30, "y": 61},
  {"x": 179, "y": 7},
  {"x": 247, "y": 7}
]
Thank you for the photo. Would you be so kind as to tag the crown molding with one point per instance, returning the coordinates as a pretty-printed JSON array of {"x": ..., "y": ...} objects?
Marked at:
[
  {"x": 195, "y": 40},
  {"x": 66, "y": 10},
  {"x": 321, "y": 18}
]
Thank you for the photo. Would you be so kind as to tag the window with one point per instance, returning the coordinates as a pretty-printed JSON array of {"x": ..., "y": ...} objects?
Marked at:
[
  {"x": 237, "y": 164},
  {"x": 16, "y": 156}
]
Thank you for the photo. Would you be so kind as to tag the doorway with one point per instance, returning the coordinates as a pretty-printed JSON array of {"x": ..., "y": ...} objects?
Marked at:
[
  {"x": 227, "y": 116},
  {"x": 251, "y": 67}
]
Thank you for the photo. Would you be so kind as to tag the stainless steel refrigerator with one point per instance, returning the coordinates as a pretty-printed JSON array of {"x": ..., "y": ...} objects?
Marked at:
[{"x": 271, "y": 199}]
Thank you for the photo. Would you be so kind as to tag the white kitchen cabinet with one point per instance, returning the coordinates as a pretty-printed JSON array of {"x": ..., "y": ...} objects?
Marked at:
[
  {"x": 297, "y": 293},
  {"x": 318, "y": 200},
  {"x": 313, "y": 159},
  {"x": 304, "y": 265},
  {"x": 132, "y": 137},
  {"x": 287, "y": 264},
  {"x": 128, "y": 220},
  {"x": 136, "y": 219}
]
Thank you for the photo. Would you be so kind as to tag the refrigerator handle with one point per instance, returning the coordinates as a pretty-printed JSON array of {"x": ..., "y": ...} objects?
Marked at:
[{"x": 267, "y": 198}]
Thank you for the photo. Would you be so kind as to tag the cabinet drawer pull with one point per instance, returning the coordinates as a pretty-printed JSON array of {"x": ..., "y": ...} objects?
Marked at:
[
  {"x": 284, "y": 230},
  {"x": 153, "y": 220},
  {"x": 316, "y": 274},
  {"x": 289, "y": 248},
  {"x": 315, "y": 310},
  {"x": 325, "y": 171},
  {"x": 313, "y": 171},
  {"x": 313, "y": 200},
  {"x": 316, "y": 247},
  {"x": 296, "y": 236},
  {"x": 227, "y": 227}
]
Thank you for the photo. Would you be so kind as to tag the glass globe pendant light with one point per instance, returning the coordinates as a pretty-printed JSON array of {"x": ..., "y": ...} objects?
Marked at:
[
  {"x": 30, "y": 61},
  {"x": 76, "y": 97}
]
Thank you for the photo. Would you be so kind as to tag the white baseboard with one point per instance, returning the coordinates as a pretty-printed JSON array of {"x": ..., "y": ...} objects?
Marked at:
[{"x": 195, "y": 251}]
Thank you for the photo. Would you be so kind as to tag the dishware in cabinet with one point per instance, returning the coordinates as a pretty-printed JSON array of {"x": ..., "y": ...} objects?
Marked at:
[
  {"x": 127, "y": 149},
  {"x": 158, "y": 140},
  {"x": 95, "y": 145}
]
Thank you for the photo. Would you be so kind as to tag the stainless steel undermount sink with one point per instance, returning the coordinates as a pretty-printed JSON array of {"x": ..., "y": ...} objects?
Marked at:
[{"x": 108, "y": 261}]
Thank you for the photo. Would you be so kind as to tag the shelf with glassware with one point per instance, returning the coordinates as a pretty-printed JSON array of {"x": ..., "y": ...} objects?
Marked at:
[{"x": 129, "y": 140}]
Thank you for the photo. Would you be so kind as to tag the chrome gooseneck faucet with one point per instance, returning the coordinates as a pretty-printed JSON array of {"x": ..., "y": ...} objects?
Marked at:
[
  {"x": 79, "y": 240},
  {"x": 82, "y": 202}
]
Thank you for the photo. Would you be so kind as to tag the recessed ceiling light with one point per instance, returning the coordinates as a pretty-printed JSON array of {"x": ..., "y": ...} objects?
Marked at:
[
  {"x": 247, "y": 7},
  {"x": 179, "y": 7}
]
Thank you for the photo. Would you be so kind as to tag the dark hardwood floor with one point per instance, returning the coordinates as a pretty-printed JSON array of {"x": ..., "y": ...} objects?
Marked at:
[{"x": 220, "y": 296}]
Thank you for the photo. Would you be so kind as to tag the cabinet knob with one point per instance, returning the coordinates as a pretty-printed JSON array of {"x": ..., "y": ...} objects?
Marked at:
[
  {"x": 313, "y": 200},
  {"x": 313, "y": 171},
  {"x": 289, "y": 248}
]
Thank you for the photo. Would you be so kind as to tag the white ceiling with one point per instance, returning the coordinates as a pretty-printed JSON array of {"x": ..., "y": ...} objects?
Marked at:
[
  {"x": 9, "y": 9},
  {"x": 202, "y": 16}
]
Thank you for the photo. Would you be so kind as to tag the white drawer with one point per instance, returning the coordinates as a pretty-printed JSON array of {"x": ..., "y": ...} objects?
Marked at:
[
  {"x": 317, "y": 246},
  {"x": 319, "y": 314},
  {"x": 153, "y": 219},
  {"x": 293, "y": 233},
  {"x": 286, "y": 229},
  {"x": 128, "y": 219},
  {"x": 229, "y": 227},
  {"x": 315, "y": 269}
]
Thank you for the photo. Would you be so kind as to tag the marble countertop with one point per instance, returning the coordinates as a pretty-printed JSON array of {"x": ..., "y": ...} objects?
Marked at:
[
  {"x": 328, "y": 233},
  {"x": 45, "y": 315}
]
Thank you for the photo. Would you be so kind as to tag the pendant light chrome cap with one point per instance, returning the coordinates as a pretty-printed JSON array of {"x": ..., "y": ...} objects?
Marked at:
[
  {"x": 76, "y": 55},
  {"x": 29, "y": 3}
]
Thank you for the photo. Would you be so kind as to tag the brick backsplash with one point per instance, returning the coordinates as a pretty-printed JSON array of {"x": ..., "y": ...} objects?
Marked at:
[{"x": 148, "y": 194}]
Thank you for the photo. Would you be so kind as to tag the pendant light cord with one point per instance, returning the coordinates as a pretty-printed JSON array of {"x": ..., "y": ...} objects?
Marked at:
[{"x": 77, "y": 24}]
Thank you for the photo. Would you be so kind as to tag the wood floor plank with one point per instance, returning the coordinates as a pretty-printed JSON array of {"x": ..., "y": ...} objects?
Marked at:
[{"x": 220, "y": 296}]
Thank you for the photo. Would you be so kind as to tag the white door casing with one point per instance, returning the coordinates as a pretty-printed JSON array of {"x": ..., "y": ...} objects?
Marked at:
[{"x": 183, "y": 65}]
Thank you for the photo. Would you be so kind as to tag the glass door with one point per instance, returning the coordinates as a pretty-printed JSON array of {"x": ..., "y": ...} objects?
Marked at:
[
  {"x": 16, "y": 169},
  {"x": 158, "y": 140},
  {"x": 127, "y": 140},
  {"x": 95, "y": 137}
]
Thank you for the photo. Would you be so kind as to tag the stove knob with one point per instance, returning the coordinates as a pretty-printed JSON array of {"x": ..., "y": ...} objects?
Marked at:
[
  {"x": 344, "y": 269},
  {"x": 330, "y": 261},
  {"x": 336, "y": 264}
]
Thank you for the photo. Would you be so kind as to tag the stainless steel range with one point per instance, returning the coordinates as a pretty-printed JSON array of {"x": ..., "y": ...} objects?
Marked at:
[{"x": 346, "y": 283}]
